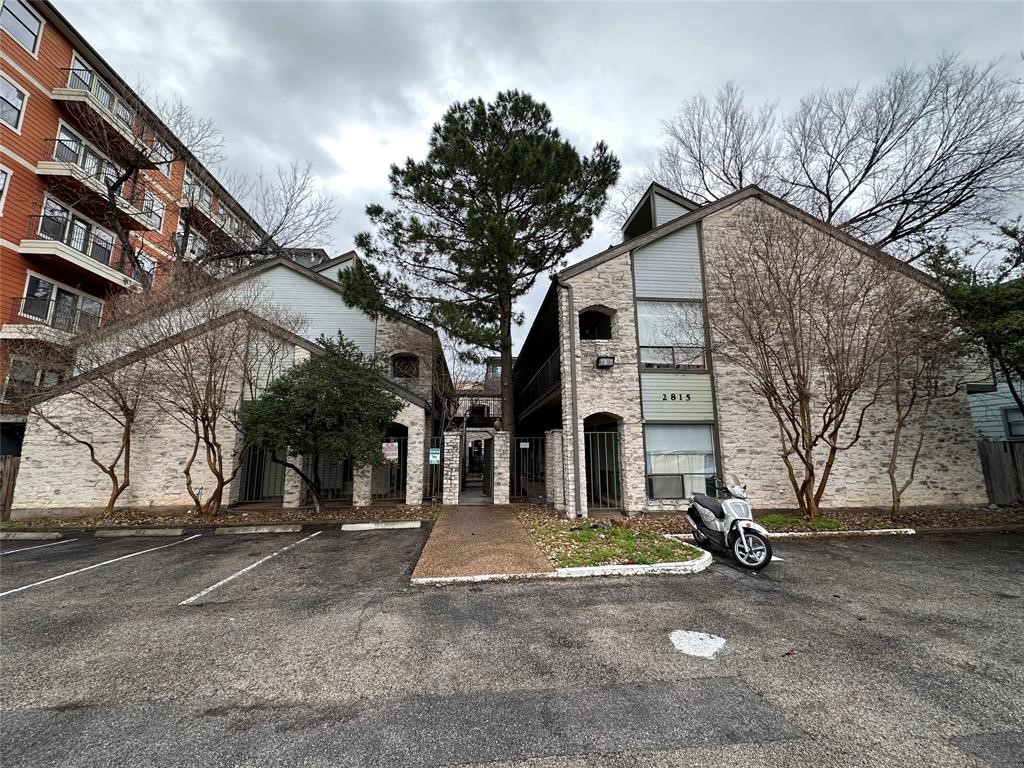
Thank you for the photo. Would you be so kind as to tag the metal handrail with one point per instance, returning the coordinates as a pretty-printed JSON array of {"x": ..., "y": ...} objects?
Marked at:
[
  {"x": 76, "y": 155},
  {"x": 50, "y": 312},
  {"x": 547, "y": 377},
  {"x": 86, "y": 80},
  {"x": 80, "y": 235}
]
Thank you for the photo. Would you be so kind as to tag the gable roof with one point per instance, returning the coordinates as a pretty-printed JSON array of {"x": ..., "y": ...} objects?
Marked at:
[
  {"x": 645, "y": 206},
  {"x": 337, "y": 261},
  {"x": 732, "y": 199},
  {"x": 211, "y": 325}
]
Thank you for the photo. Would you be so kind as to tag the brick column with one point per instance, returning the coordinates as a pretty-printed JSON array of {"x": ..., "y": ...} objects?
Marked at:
[
  {"x": 361, "y": 493},
  {"x": 554, "y": 487},
  {"x": 293, "y": 485},
  {"x": 502, "y": 459},
  {"x": 452, "y": 467}
]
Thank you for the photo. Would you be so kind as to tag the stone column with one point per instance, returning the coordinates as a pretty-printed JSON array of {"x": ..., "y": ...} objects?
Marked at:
[
  {"x": 554, "y": 487},
  {"x": 452, "y": 468},
  {"x": 502, "y": 459},
  {"x": 414, "y": 460},
  {"x": 293, "y": 485},
  {"x": 362, "y": 494}
]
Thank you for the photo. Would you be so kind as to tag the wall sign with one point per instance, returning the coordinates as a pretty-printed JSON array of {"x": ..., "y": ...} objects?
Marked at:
[
  {"x": 435, "y": 455},
  {"x": 390, "y": 451}
]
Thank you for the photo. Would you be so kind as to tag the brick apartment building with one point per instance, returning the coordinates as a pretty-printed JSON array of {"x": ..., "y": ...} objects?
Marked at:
[{"x": 68, "y": 124}]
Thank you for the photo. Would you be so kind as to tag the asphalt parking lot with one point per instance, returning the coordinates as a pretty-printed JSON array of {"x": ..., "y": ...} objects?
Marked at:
[{"x": 285, "y": 650}]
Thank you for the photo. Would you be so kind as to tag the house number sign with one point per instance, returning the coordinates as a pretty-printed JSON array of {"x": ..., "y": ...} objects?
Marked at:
[{"x": 675, "y": 396}]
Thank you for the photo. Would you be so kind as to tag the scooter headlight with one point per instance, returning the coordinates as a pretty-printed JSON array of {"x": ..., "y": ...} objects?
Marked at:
[{"x": 738, "y": 509}]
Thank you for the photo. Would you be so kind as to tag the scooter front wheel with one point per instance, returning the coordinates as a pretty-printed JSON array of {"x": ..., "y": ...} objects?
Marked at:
[{"x": 755, "y": 555}]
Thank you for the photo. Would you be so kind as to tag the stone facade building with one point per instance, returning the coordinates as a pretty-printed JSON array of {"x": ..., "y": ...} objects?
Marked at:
[
  {"x": 412, "y": 367},
  {"x": 619, "y": 372}
]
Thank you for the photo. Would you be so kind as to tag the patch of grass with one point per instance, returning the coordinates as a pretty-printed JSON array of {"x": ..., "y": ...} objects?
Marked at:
[
  {"x": 569, "y": 544},
  {"x": 776, "y": 522}
]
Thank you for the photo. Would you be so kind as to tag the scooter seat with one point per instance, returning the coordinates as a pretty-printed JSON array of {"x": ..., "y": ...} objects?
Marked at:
[{"x": 710, "y": 503}]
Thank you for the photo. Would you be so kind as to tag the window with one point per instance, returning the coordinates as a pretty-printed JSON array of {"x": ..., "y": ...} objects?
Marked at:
[
  {"x": 671, "y": 335},
  {"x": 148, "y": 265},
  {"x": 22, "y": 24},
  {"x": 680, "y": 460},
  {"x": 163, "y": 155},
  {"x": 195, "y": 247},
  {"x": 58, "y": 306},
  {"x": 479, "y": 411},
  {"x": 155, "y": 209},
  {"x": 27, "y": 377},
  {"x": 5, "y": 176},
  {"x": 595, "y": 324},
  {"x": 58, "y": 222},
  {"x": 1014, "y": 423},
  {"x": 405, "y": 366},
  {"x": 12, "y": 103},
  {"x": 68, "y": 146},
  {"x": 196, "y": 192},
  {"x": 229, "y": 221}
]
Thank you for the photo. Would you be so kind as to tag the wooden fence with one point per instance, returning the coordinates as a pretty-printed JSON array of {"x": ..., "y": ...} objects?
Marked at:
[
  {"x": 1003, "y": 463},
  {"x": 8, "y": 475}
]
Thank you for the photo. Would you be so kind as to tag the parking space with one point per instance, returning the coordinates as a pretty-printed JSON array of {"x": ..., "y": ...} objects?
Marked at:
[{"x": 314, "y": 650}]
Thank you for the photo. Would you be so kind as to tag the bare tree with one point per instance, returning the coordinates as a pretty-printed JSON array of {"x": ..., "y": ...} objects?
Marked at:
[
  {"x": 132, "y": 182},
  {"x": 108, "y": 396},
  {"x": 799, "y": 314},
  {"x": 925, "y": 365},
  {"x": 222, "y": 354},
  {"x": 927, "y": 151}
]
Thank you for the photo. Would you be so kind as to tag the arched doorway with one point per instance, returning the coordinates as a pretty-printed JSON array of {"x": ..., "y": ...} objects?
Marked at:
[
  {"x": 601, "y": 457},
  {"x": 388, "y": 479}
]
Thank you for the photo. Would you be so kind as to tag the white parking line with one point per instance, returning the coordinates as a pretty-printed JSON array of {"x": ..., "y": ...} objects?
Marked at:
[
  {"x": 98, "y": 565},
  {"x": 247, "y": 568},
  {"x": 37, "y": 546}
]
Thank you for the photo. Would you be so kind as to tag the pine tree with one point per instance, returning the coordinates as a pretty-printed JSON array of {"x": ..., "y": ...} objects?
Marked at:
[{"x": 500, "y": 199}]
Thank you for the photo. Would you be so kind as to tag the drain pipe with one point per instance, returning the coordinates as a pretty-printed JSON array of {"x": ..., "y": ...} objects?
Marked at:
[{"x": 575, "y": 408}]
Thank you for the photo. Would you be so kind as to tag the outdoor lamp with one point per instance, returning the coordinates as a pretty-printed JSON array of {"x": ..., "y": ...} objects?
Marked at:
[{"x": 605, "y": 362}]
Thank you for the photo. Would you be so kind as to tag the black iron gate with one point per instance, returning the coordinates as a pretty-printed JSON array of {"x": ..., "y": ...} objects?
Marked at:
[
  {"x": 527, "y": 469},
  {"x": 601, "y": 453},
  {"x": 388, "y": 479},
  {"x": 336, "y": 480},
  {"x": 261, "y": 479}
]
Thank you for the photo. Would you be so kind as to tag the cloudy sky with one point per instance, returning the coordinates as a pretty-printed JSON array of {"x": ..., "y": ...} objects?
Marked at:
[{"x": 354, "y": 87}]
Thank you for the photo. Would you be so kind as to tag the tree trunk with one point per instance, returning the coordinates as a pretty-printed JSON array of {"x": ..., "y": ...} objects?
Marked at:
[{"x": 507, "y": 404}]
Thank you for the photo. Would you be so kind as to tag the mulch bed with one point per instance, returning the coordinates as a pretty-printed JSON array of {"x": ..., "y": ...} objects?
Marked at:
[
  {"x": 849, "y": 519},
  {"x": 128, "y": 518}
]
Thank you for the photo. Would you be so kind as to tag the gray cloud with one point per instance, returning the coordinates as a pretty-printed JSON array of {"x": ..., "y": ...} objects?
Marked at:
[{"x": 352, "y": 87}]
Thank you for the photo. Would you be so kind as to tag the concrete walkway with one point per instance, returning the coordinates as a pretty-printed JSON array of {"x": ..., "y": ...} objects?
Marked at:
[{"x": 476, "y": 541}]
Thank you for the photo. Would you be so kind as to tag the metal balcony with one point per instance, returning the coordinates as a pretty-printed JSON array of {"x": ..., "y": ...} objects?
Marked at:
[
  {"x": 110, "y": 118},
  {"x": 80, "y": 243},
  {"x": 544, "y": 381},
  {"x": 85, "y": 174},
  {"x": 56, "y": 314}
]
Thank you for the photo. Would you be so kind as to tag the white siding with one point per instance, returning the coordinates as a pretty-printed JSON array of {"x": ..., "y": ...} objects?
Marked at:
[
  {"x": 665, "y": 210},
  {"x": 323, "y": 308},
  {"x": 676, "y": 397},
  {"x": 669, "y": 268},
  {"x": 987, "y": 412}
]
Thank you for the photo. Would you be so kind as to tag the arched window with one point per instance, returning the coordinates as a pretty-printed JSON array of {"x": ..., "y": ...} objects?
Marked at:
[
  {"x": 405, "y": 366},
  {"x": 596, "y": 323}
]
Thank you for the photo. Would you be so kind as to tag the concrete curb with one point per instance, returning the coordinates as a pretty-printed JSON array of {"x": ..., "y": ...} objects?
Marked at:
[
  {"x": 685, "y": 567},
  {"x": 121, "y": 533},
  {"x": 383, "y": 525},
  {"x": 30, "y": 535},
  {"x": 239, "y": 529},
  {"x": 686, "y": 537}
]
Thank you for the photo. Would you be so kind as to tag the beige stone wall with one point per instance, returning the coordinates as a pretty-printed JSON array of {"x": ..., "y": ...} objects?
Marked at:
[
  {"x": 949, "y": 470},
  {"x": 393, "y": 338},
  {"x": 614, "y": 390},
  {"x": 56, "y": 473}
]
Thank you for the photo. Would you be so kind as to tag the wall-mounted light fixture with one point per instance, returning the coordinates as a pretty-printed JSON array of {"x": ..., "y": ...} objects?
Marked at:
[{"x": 604, "y": 362}]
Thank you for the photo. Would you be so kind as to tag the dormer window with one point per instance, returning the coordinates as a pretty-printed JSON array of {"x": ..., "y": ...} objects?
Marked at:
[
  {"x": 405, "y": 366},
  {"x": 596, "y": 324}
]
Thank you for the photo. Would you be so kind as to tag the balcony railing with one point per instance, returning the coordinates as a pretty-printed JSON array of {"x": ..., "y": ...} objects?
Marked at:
[
  {"x": 83, "y": 237},
  {"x": 87, "y": 81},
  {"x": 91, "y": 167},
  {"x": 547, "y": 377},
  {"x": 55, "y": 314}
]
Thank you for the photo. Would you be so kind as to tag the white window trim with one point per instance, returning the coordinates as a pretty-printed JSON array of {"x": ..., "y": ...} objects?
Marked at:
[
  {"x": 1006, "y": 424},
  {"x": 42, "y": 212},
  {"x": 24, "y": 104},
  {"x": 7, "y": 186},
  {"x": 64, "y": 373},
  {"x": 39, "y": 36},
  {"x": 56, "y": 284}
]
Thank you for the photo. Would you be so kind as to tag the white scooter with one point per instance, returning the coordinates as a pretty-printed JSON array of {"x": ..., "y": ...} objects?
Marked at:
[{"x": 727, "y": 525}]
